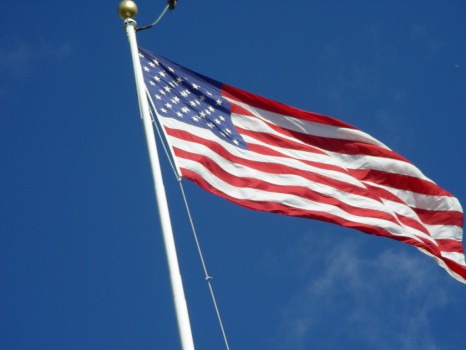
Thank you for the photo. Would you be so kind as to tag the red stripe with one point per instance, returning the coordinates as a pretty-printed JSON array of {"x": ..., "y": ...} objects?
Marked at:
[
  {"x": 277, "y": 107},
  {"x": 399, "y": 181},
  {"x": 383, "y": 193},
  {"x": 431, "y": 217},
  {"x": 278, "y": 141},
  {"x": 333, "y": 144},
  {"x": 449, "y": 245},
  {"x": 342, "y": 146},
  {"x": 283, "y": 143},
  {"x": 410, "y": 222},
  {"x": 270, "y": 152}
]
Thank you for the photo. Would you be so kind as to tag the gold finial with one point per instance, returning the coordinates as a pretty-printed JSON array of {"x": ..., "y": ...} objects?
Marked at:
[{"x": 127, "y": 9}]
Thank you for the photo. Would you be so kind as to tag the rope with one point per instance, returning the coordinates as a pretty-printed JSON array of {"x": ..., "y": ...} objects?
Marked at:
[
  {"x": 157, "y": 20},
  {"x": 208, "y": 278}
]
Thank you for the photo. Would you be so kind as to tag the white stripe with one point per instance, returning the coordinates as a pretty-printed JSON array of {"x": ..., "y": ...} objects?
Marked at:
[
  {"x": 310, "y": 128},
  {"x": 456, "y": 257},
  {"x": 423, "y": 201},
  {"x": 445, "y": 232}
]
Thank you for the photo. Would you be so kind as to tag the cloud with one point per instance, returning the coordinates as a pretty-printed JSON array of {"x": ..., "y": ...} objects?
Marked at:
[
  {"x": 383, "y": 301},
  {"x": 18, "y": 59}
]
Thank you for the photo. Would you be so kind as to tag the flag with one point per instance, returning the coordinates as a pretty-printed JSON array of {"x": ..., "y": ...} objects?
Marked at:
[{"x": 268, "y": 156}]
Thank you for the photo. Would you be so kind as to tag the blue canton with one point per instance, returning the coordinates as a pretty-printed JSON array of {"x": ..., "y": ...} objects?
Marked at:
[{"x": 188, "y": 97}]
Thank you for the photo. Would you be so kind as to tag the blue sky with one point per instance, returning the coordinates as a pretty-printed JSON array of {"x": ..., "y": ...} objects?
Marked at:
[{"x": 81, "y": 259}]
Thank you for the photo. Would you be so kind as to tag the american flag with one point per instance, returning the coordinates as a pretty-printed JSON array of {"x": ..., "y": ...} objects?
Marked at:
[{"x": 267, "y": 156}]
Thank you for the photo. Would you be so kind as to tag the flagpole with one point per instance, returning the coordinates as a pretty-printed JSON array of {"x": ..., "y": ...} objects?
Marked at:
[{"x": 127, "y": 11}]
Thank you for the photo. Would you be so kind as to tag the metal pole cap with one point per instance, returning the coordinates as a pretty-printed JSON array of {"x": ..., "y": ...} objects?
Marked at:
[{"x": 127, "y": 9}]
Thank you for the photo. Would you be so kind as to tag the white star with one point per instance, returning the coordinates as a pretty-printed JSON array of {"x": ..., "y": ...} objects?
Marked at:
[
  {"x": 192, "y": 103},
  {"x": 219, "y": 102},
  {"x": 202, "y": 98},
  {"x": 171, "y": 69},
  {"x": 152, "y": 83},
  {"x": 217, "y": 121},
  {"x": 152, "y": 64},
  {"x": 175, "y": 99},
  {"x": 163, "y": 110},
  {"x": 221, "y": 118},
  {"x": 158, "y": 97},
  {"x": 210, "y": 125},
  {"x": 235, "y": 142},
  {"x": 167, "y": 89},
  {"x": 162, "y": 92},
  {"x": 179, "y": 114},
  {"x": 168, "y": 105},
  {"x": 179, "y": 80},
  {"x": 195, "y": 86},
  {"x": 162, "y": 73},
  {"x": 146, "y": 69},
  {"x": 141, "y": 55},
  {"x": 211, "y": 109},
  {"x": 157, "y": 79},
  {"x": 156, "y": 62},
  {"x": 202, "y": 114},
  {"x": 185, "y": 109},
  {"x": 196, "y": 119},
  {"x": 228, "y": 131}
]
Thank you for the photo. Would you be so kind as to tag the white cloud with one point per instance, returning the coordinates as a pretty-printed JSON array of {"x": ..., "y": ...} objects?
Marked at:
[{"x": 379, "y": 302}]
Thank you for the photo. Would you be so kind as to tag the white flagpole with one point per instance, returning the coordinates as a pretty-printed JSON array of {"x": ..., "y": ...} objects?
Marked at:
[{"x": 181, "y": 308}]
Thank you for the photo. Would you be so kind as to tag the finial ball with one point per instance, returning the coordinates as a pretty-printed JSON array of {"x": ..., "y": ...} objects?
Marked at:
[{"x": 127, "y": 9}]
